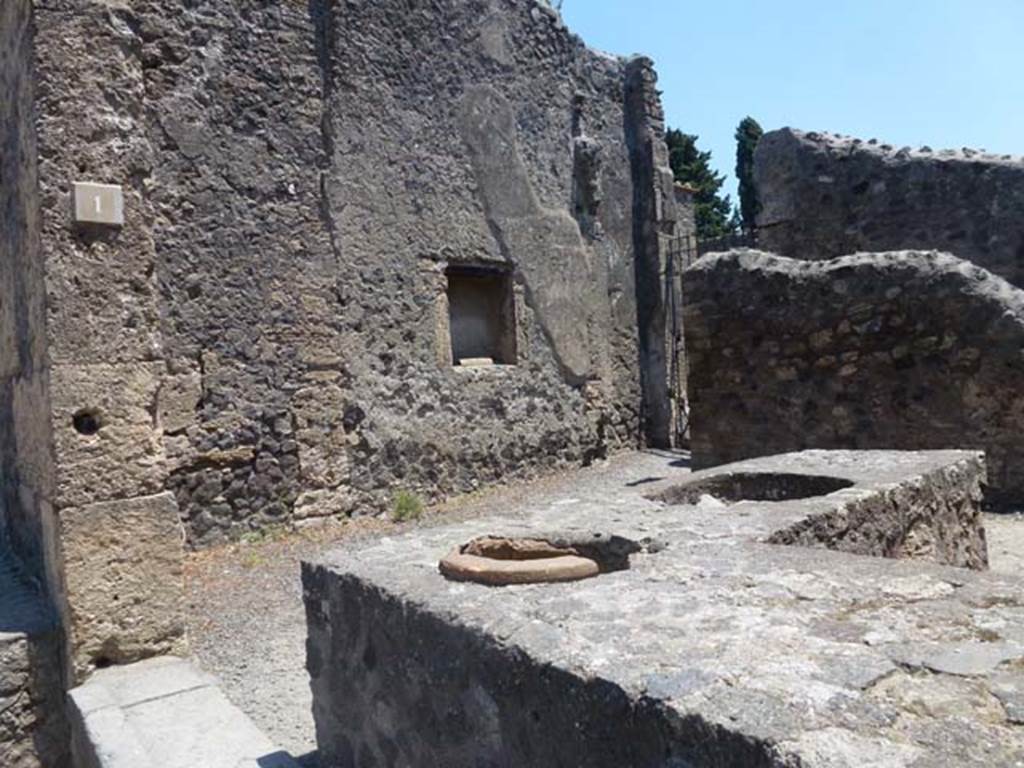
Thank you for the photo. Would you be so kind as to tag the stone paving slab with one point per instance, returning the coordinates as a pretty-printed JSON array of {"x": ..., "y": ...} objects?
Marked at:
[
  {"x": 719, "y": 649},
  {"x": 164, "y": 713}
]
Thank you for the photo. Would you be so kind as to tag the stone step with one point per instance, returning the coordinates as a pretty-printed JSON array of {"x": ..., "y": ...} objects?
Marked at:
[{"x": 164, "y": 713}]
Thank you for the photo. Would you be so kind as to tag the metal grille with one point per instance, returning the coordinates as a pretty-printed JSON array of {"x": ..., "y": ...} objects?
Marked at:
[{"x": 683, "y": 251}]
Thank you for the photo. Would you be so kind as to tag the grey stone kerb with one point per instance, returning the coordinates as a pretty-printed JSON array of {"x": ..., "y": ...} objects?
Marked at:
[
  {"x": 714, "y": 648},
  {"x": 164, "y": 713}
]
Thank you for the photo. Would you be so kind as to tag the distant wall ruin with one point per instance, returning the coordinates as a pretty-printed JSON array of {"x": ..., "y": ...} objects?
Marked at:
[
  {"x": 893, "y": 350},
  {"x": 825, "y": 196}
]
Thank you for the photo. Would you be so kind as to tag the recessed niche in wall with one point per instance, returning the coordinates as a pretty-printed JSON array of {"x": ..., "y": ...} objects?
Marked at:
[{"x": 481, "y": 313}]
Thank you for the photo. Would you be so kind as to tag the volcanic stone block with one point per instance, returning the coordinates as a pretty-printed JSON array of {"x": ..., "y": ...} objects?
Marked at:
[
  {"x": 714, "y": 647},
  {"x": 164, "y": 713},
  {"x": 105, "y": 432},
  {"x": 125, "y": 587},
  {"x": 180, "y": 396}
]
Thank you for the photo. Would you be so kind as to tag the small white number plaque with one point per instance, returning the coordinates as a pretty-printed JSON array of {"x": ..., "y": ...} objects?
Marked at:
[{"x": 99, "y": 204}]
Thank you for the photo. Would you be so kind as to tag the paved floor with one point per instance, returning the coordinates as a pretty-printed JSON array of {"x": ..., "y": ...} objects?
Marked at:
[
  {"x": 247, "y": 620},
  {"x": 1005, "y": 542}
]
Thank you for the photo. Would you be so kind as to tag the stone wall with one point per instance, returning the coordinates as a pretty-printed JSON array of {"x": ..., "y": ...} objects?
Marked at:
[
  {"x": 506, "y": 148},
  {"x": 298, "y": 180},
  {"x": 890, "y": 350},
  {"x": 266, "y": 339},
  {"x": 33, "y": 732},
  {"x": 245, "y": 269},
  {"x": 655, "y": 216},
  {"x": 121, "y": 542},
  {"x": 686, "y": 213},
  {"x": 33, "y": 727},
  {"x": 824, "y": 196},
  {"x": 449, "y": 693},
  {"x": 712, "y": 648},
  {"x": 316, "y": 175}
]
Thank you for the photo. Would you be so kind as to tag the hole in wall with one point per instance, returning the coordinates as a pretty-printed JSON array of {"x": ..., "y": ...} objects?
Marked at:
[
  {"x": 352, "y": 417},
  {"x": 86, "y": 421},
  {"x": 753, "y": 486}
]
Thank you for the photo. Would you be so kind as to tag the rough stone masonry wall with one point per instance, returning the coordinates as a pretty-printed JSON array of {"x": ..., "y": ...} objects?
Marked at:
[
  {"x": 482, "y": 133},
  {"x": 265, "y": 339},
  {"x": 317, "y": 169},
  {"x": 711, "y": 649},
  {"x": 824, "y": 196},
  {"x": 246, "y": 273},
  {"x": 456, "y": 698},
  {"x": 891, "y": 350}
]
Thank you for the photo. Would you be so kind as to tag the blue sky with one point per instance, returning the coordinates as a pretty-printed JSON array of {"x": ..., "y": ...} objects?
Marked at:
[{"x": 946, "y": 73}]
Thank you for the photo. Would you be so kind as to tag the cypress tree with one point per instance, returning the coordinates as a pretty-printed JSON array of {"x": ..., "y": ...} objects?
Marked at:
[{"x": 748, "y": 133}]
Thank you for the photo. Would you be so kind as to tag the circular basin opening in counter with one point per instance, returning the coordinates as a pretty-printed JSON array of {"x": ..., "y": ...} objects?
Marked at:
[
  {"x": 753, "y": 486},
  {"x": 500, "y": 560}
]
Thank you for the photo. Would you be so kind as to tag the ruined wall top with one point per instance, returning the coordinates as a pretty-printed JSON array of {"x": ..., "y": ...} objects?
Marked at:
[
  {"x": 824, "y": 195},
  {"x": 838, "y": 144}
]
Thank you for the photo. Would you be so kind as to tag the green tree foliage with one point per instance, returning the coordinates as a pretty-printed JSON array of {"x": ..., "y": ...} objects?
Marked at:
[
  {"x": 692, "y": 167},
  {"x": 748, "y": 133}
]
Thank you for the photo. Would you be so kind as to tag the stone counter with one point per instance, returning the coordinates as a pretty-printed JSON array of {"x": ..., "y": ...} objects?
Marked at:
[{"x": 714, "y": 647}]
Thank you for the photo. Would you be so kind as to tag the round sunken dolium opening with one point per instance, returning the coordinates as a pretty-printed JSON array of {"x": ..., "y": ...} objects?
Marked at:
[
  {"x": 86, "y": 421},
  {"x": 754, "y": 486},
  {"x": 499, "y": 561}
]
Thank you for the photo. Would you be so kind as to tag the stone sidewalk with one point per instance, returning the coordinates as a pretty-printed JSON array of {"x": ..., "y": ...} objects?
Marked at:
[{"x": 164, "y": 713}]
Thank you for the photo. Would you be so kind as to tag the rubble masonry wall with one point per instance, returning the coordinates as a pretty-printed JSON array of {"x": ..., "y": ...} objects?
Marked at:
[
  {"x": 907, "y": 350},
  {"x": 825, "y": 196}
]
